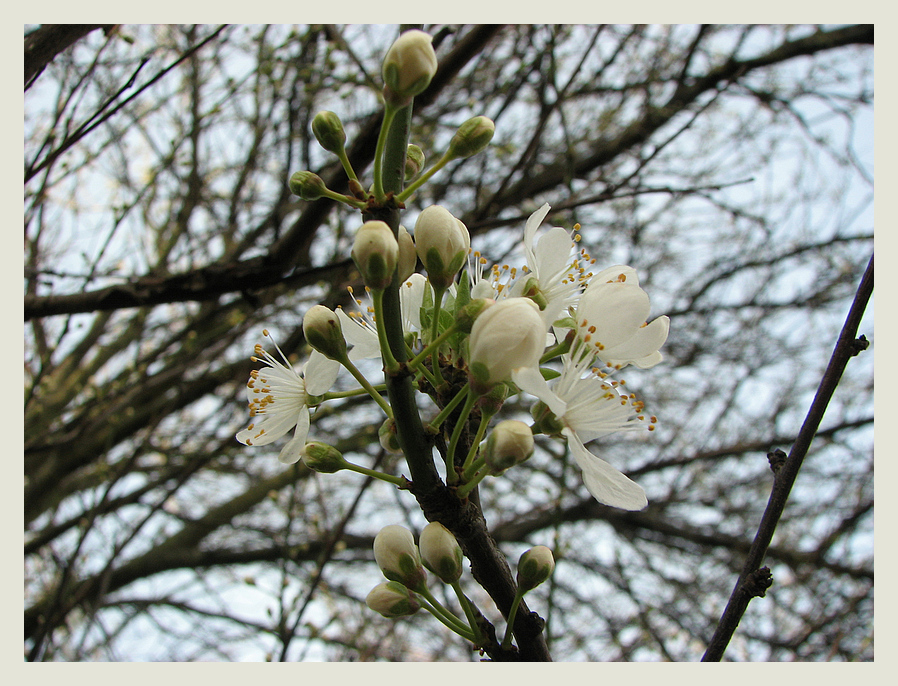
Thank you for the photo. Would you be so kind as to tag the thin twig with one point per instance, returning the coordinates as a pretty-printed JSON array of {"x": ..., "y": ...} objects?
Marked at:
[{"x": 754, "y": 580}]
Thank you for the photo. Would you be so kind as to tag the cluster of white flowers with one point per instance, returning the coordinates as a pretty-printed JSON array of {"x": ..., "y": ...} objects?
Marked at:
[{"x": 599, "y": 320}]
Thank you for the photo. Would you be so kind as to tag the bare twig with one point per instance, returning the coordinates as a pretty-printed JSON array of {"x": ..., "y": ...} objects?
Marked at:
[{"x": 754, "y": 580}]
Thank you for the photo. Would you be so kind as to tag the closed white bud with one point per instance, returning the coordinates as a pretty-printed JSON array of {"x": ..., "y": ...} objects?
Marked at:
[
  {"x": 534, "y": 567},
  {"x": 408, "y": 258},
  {"x": 397, "y": 556},
  {"x": 510, "y": 443},
  {"x": 388, "y": 438},
  {"x": 440, "y": 552},
  {"x": 392, "y": 599},
  {"x": 323, "y": 332},
  {"x": 408, "y": 67},
  {"x": 376, "y": 253},
  {"x": 507, "y": 336},
  {"x": 307, "y": 185},
  {"x": 442, "y": 242},
  {"x": 414, "y": 162},
  {"x": 328, "y": 129}
]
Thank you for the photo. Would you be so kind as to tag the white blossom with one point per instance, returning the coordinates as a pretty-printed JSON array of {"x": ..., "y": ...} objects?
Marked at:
[{"x": 278, "y": 398}]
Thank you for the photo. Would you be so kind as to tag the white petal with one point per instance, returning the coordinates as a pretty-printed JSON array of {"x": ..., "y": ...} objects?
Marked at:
[
  {"x": 616, "y": 310},
  {"x": 614, "y": 273},
  {"x": 320, "y": 373},
  {"x": 604, "y": 482},
  {"x": 553, "y": 254},
  {"x": 644, "y": 343},
  {"x": 533, "y": 224},
  {"x": 291, "y": 452},
  {"x": 530, "y": 380}
]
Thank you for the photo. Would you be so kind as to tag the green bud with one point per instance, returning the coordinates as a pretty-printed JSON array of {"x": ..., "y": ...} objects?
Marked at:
[
  {"x": 441, "y": 553},
  {"x": 322, "y": 458},
  {"x": 468, "y": 314},
  {"x": 534, "y": 567},
  {"x": 389, "y": 439},
  {"x": 307, "y": 185},
  {"x": 392, "y": 599},
  {"x": 376, "y": 253},
  {"x": 510, "y": 443},
  {"x": 323, "y": 332},
  {"x": 414, "y": 162},
  {"x": 472, "y": 137},
  {"x": 328, "y": 129},
  {"x": 545, "y": 421}
]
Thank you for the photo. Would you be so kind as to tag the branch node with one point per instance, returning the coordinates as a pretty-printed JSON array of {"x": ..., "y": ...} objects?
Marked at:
[
  {"x": 858, "y": 345},
  {"x": 757, "y": 583},
  {"x": 777, "y": 459}
]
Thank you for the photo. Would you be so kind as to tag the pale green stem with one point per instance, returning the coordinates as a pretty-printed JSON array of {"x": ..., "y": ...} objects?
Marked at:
[
  {"x": 475, "y": 446},
  {"x": 469, "y": 613},
  {"x": 424, "y": 178},
  {"x": 378, "y": 398},
  {"x": 436, "y": 608},
  {"x": 390, "y": 363},
  {"x": 451, "y": 405},
  {"x": 555, "y": 351},
  {"x": 472, "y": 469},
  {"x": 345, "y": 199},
  {"x": 396, "y": 480},
  {"x": 335, "y": 395},
  {"x": 474, "y": 481},
  {"x": 516, "y": 603},
  {"x": 347, "y": 165},
  {"x": 451, "y": 474},
  {"x": 389, "y": 113}
]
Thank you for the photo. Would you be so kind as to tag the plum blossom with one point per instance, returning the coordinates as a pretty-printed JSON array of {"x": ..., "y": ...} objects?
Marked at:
[
  {"x": 611, "y": 319},
  {"x": 279, "y": 397},
  {"x": 587, "y": 406}
]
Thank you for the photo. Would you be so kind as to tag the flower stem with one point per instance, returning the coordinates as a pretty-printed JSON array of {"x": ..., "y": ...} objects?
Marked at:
[
  {"x": 436, "y": 608},
  {"x": 378, "y": 398},
  {"x": 433, "y": 345},
  {"x": 516, "y": 603},
  {"x": 475, "y": 444},
  {"x": 451, "y": 474},
  {"x": 469, "y": 613},
  {"x": 434, "y": 334},
  {"x": 389, "y": 478},
  {"x": 451, "y": 405},
  {"x": 473, "y": 481},
  {"x": 424, "y": 178},
  {"x": 390, "y": 363}
]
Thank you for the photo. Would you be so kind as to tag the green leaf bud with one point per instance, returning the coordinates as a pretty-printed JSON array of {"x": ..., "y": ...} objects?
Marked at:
[
  {"x": 440, "y": 552},
  {"x": 328, "y": 129},
  {"x": 534, "y": 567},
  {"x": 472, "y": 137},
  {"x": 398, "y": 557},
  {"x": 442, "y": 242},
  {"x": 408, "y": 67},
  {"x": 389, "y": 439},
  {"x": 322, "y": 458},
  {"x": 510, "y": 443},
  {"x": 307, "y": 185},
  {"x": 323, "y": 332},
  {"x": 392, "y": 599},
  {"x": 414, "y": 162},
  {"x": 376, "y": 253}
]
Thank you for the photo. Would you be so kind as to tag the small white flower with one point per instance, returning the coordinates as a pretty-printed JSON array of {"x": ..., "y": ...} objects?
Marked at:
[
  {"x": 550, "y": 265},
  {"x": 611, "y": 318},
  {"x": 360, "y": 329},
  {"x": 279, "y": 399},
  {"x": 588, "y": 406}
]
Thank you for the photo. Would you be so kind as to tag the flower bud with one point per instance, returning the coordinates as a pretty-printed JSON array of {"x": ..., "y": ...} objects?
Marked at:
[
  {"x": 322, "y": 458},
  {"x": 328, "y": 129},
  {"x": 408, "y": 67},
  {"x": 307, "y": 185},
  {"x": 472, "y": 137},
  {"x": 545, "y": 421},
  {"x": 323, "y": 332},
  {"x": 398, "y": 557},
  {"x": 376, "y": 253},
  {"x": 491, "y": 402},
  {"x": 408, "y": 257},
  {"x": 442, "y": 242},
  {"x": 467, "y": 315},
  {"x": 440, "y": 552},
  {"x": 392, "y": 599},
  {"x": 389, "y": 439},
  {"x": 507, "y": 336},
  {"x": 534, "y": 567},
  {"x": 414, "y": 162},
  {"x": 510, "y": 443}
]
